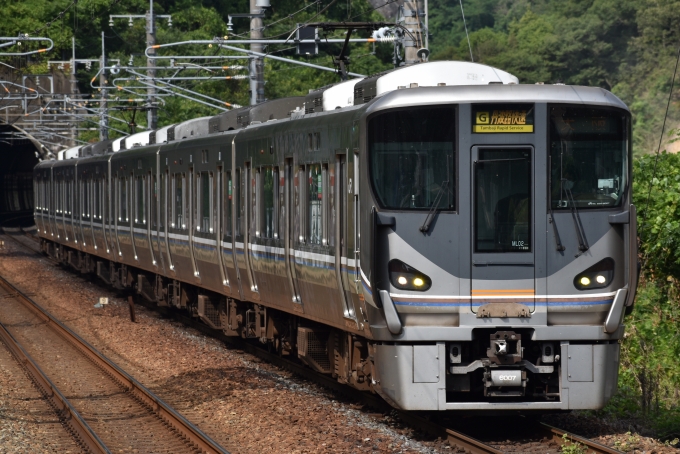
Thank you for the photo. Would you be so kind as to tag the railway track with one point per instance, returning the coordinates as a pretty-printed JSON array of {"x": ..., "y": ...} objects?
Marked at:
[
  {"x": 105, "y": 409},
  {"x": 543, "y": 438},
  {"x": 536, "y": 437}
]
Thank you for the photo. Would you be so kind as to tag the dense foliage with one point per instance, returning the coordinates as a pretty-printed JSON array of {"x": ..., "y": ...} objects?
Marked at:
[
  {"x": 626, "y": 46},
  {"x": 650, "y": 373}
]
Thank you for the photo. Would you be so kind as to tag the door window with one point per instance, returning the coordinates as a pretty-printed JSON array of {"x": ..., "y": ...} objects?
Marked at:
[{"x": 503, "y": 200}]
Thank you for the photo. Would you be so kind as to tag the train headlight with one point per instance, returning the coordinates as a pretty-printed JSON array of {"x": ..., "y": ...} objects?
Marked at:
[
  {"x": 599, "y": 275},
  {"x": 405, "y": 277}
]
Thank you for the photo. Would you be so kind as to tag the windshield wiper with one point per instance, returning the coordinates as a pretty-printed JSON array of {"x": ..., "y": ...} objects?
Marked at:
[
  {"x": 435, "y": 207},
  {"x": 582, "y": 243}
]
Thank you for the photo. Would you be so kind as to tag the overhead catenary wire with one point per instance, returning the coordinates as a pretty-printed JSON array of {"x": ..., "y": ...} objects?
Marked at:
[{"x": 462, "y": 11}]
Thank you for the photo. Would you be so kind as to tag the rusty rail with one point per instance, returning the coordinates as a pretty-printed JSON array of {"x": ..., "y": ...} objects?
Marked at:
[
  {"x": 67, "y": 414},
  {"x": 172, "y": 418}
]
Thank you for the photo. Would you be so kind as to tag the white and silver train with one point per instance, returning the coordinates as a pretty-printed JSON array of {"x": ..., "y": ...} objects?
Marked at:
[{"x": 438, "y": 234}]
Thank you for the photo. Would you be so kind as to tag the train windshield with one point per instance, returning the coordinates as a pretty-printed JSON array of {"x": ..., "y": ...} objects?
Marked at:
[
  {"x": 412, "y": 158},
  {"x": 588, "y": 156}
]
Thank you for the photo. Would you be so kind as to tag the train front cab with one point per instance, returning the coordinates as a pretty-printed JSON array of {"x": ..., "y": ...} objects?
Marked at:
[{"x": 502, "y": 248}]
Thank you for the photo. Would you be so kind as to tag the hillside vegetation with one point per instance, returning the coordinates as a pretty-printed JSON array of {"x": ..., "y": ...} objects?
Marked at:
[{"x": 626, "y": 46}]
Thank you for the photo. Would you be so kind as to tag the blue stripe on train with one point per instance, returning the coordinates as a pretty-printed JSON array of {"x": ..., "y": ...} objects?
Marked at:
[{"x": 475, "y": 304}]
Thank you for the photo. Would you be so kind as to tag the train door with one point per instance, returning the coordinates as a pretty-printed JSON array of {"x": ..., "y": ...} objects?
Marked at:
[
  {"x": 192, "y": 217},
  {"x": 237, "y": 222},
  {"x": 157, "y": 204},
  {"x": 249, "y": 221},
  {"x": 221, "y": 228},
  {"x": 339, "y": 213},
  {"x": 82, "y": 203},
  {"x": 52, "y": 211},
  {"x": 151, "y": 203},
  {"x": 71, "y": 198},
  {"x": 289, "y": 229},
  {"x": 93, "y": 184},
  {"x": 106, "y": 207},
  {"x": 503, "y": 246},
  {"x": 169, "y": 207},
  {"x": 132, "y": 210}
]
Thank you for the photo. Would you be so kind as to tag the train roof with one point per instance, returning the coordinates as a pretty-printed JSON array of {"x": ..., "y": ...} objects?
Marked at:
[
  {"x": 496, "y": 93},
  {"x": 137, "y": 140}
]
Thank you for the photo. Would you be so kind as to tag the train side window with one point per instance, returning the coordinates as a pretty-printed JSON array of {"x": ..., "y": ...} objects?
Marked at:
[
  {"x": 97, "y": 199},
  {"x": 140, "y": 201},
  {"x": 123, "y": 199},
  {"x": 102, "y": 191},
  {"x": 166, "y": 199},
  {"x": 254, "y": 175},
  {"x": 80, "y": 196},
  {"x": 57, "y": 201},
  {"x": 257, "y": 202},
  {"x": 85, "y": 207},
  {"x": 153, "y": 198},
  {"x": 178, "y": 206},
  {"x": 205, "y": 199},
  {"x": 185, "y": 202},
  {"x": 281, "y": 204},
  {"x": 92, "y": 207},
  {"x": 213, "y": 202},
  {"x": 315, "y": 211},
  {"x": 275, "y": 203},
  {"x": 332, "y": 215},
  {"x": 268, "y": 190},
  {"x": 238, "y": 203},
  {"x": 88, "y": 199},
  {"x": 69, "y": 200},
  {"x": 299, "y": 203},
  {"x": 227, "y": 201}
]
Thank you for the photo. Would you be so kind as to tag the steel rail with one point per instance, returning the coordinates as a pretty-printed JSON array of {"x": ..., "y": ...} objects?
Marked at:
[
  {"x": 172, "y": 418},
  {"x": 79, "y": 428}
]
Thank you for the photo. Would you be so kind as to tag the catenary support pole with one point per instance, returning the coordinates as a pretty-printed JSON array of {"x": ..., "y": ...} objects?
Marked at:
[
  {"x": 151, "y": 115},
  {"x": 74, "y": 89},
  {"x": 256, "y": 62},
  {"x": 103, "y": 119}
]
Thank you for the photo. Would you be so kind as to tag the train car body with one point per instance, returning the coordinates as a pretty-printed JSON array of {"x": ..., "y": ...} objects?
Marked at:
[{"x": 465, "y": 245}]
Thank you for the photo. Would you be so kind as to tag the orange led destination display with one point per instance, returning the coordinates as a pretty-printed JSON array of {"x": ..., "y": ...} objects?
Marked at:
[{"x": 503, "y": 119}]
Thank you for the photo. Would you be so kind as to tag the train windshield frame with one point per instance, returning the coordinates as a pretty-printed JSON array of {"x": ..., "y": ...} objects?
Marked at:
[
  {"x": 589, "y": 156},
  {"x": 412, "y": 158}
]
